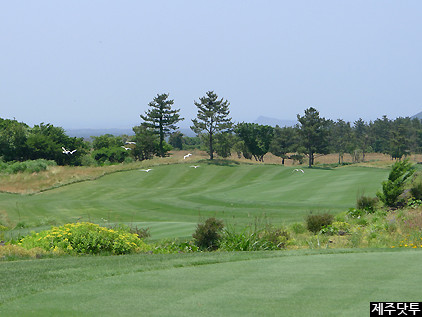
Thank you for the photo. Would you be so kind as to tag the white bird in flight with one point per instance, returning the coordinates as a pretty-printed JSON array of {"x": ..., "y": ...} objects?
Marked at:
[
  {"x": 128, "y": 142},
  {"x": 186, "y": 156},
  {"x": 195, "y": 166},
  {"x": 67, "y": 151},
  {"x": 298, "y": 170},
  {"x": 146, "y": 170},
  {"x": 126, "y": 148}
]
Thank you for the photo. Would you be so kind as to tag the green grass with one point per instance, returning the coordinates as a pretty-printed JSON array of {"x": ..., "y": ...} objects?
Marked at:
[
  {"x": 172, "y": 199},
  {"x": 298, "y": 283}
]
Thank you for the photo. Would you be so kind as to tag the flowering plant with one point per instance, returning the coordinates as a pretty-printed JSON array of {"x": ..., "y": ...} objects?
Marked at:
[{"x": 86, "y": 238}]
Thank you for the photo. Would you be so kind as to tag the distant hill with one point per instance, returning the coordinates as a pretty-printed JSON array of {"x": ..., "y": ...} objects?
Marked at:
[
  {"x": 88, "y": 133},
  {"x": 273, "y": 122},
  {"x": 418, "y": 116}
]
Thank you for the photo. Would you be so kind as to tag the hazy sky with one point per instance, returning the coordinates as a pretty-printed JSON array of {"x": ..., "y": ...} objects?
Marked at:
[{"x": 97, "y": 64}]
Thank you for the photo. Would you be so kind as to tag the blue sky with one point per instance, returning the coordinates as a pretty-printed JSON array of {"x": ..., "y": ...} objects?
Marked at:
[{"x": 97, "y": 64}]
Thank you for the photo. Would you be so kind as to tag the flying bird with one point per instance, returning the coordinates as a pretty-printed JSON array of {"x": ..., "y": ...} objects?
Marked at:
[
  {"x": 195, "y": 166},
  {"x": 126, "y": 148},
  {"x": 146, "y": 170},
  {"x": 298, "y": 170},
  {"x": 67, "y": 151},
  {"x": 128, "y": 142},
  {"x": 186, "y": 156}
]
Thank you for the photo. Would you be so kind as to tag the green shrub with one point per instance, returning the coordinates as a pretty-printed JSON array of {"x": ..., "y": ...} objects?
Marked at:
[
  {"x": 2, "y": 230},
  {"x": 253, "y": 238},
  {"x": 240, "y": 241},
  {"x": 30, "y": 166},
  {"x": 208, "y": 234},
  {"x": 86, "y": 238},
  {"x": 10, "y": 252},
  {"x": 394, "y": 186},
  {"x": 355, "y": 213},
  {"x": 298, "y": 228},
  {"x": 416, "y": 191},
  {"x": 367, "y": 203},
  {"x": 414, "y": 203},
  {"x": 277, "y": 237},
  {"x": 337, "y": 227},
  {"x": 315, "y": 222},
  {"x": 88, "y": 160}
]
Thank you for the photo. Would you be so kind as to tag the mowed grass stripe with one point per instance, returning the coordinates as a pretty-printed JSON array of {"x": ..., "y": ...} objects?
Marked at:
[{"x": 179, "y": 193}]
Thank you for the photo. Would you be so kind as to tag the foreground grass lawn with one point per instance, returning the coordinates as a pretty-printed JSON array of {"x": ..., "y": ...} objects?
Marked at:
[
  {"x": 299, "y": 283},
  {"x": 172, "y": 199}
]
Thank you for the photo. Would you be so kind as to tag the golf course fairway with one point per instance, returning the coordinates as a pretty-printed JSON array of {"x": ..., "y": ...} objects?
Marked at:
[{"x": 172, "y": 199}]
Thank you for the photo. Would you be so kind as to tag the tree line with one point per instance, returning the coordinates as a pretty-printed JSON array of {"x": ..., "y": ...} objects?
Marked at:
[{"x": 312, "y": 136}]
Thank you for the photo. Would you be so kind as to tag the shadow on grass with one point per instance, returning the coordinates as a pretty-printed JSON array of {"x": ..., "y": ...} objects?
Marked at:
[
  {"x": 330, "y": 166},
  {"x": 220, "y": 162}
]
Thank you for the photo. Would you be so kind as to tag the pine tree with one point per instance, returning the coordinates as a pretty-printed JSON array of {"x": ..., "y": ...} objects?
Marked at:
[
  {"x": 161, "y": 118},
  {"x": 313, "y": 132},
  {"x": 212, "y": 117}
]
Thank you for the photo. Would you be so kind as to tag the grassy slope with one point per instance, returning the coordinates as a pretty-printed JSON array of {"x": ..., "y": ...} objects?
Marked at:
[
  {"x": 171, "y": 199},
  {"x": 299, "y": 283}
]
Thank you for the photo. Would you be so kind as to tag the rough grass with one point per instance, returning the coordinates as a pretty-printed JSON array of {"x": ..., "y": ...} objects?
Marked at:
[{"x": 300, "y": 283}]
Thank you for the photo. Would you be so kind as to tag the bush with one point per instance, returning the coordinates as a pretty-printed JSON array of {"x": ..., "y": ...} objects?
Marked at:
[
  {"x": 394, "y": 186},
  {"x": 88, "y": 160},
  {"x": 241, "y": 241},
  {"x": 207, "y": 235},
  {"x": 416, "y": 191},
  {"x": 10, "y": 252},
  {"x": 85, "y": 238},
  {"x": 315, "y": 222},
  {"x": 30, "y": 166},
  {"x": 298, "y": 228},
  {"x": 337, "y": 227},
  {"x": 277, "y": 237},
  {"x": 366, "y": 203},
  {"x": 254, "y": 239}
]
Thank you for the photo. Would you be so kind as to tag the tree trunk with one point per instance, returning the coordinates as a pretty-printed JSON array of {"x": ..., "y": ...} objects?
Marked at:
[
  {"x": 311, "y": 159},
  {"x": 161, "y": 139},
  {"x": 211, "y": 149}
]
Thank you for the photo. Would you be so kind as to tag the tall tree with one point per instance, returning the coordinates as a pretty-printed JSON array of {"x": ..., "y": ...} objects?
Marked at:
[
  {"x": 13, "y": 136},
  {"x": 46, "y": 141},
  {"x": 224, "y": 143},
  {"x": 341, "y": 138},
  {"x": 380, "y": 131},
  {"x": 400, "y": 139},
  {"x": 257, "y": 138},
  {"x": 313, "y": 132},
  {"x": 361, "y": 136},
  {"x": 147, "y": 143},
  {"x": 284, "y": 141},
  {"x": 176, "y": 140},
  {"x": 161, "y": 118},
  {"x": 212, "y": 117}
]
